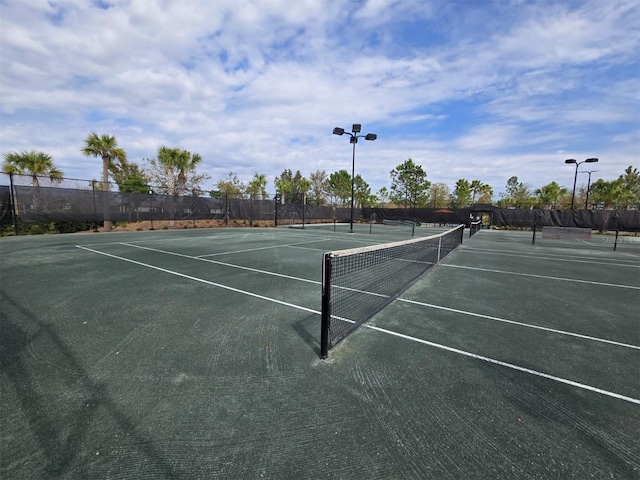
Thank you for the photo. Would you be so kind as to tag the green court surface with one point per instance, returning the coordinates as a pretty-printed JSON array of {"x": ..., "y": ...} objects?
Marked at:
[{"x": 195, "y": 354}]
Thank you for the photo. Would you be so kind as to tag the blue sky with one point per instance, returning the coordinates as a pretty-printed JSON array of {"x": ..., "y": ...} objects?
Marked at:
[{"x": 468, "y": 89}]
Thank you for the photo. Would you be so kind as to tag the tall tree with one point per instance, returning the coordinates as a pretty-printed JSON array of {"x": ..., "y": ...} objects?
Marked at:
[
  {"x": 319, "y": 184},
  {"x": 34, "y": 163},
  {"x": 608, "y": 193},
  {"x": 230, "y": 187},
  {"x": 439, "y": 196},
  {"x": 340, "y": 186},
  {"x": 461, "y": 194},
  {"x": 482, "y": 189},
  {"x": 362, "y": 192},
  {"x": 409, "y": 184},
  {"x": 549, "y": 194},
  {"x": 486, "y": 194},
  {"x": 129, "y": 177},
  {"x": 631, "y": 185},
  {"x": 175, "y": 169},
  {"x": 106, "y": 147},
  {"x": 291, "y": 186},
  {"x": 517, "y": 194},
  {"x": 383, "y": 196},
  {"x": 257, "y": 187}
]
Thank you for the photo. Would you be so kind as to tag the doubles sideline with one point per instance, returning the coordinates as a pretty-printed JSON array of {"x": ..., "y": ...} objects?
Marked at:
[{"x": 382, "y": 330}]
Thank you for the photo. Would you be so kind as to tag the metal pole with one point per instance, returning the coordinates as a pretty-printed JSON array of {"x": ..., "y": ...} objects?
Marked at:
[
  {"x": 353, "y": 173},
  {"x": 325, "y": 322},
  {"x": 533, "y": 239},
  {"x": 151, "y": 207},
  {"x": 586, "y": 202},
  {"x": 575, "y": 178},
  {"x": 12, "y": 200},
  {"x": 95, "y": 210},
  {"x": 276, "y": 200}
]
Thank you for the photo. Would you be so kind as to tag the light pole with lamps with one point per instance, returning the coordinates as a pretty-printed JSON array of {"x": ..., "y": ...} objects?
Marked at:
[
  {"x": 355, "y": 129},
  {"x": 586, "y": 202},
  {"x": 575, "y": 177}
]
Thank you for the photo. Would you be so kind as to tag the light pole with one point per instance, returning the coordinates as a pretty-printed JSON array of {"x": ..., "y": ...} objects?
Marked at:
[
  {"x": 586, "y": 202},
  {"x": 355, "y": 129},
  {"x": 575, "y": 177}
]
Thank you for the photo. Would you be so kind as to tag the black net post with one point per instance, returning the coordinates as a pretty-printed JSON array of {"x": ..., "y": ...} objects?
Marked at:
[
  {"x": 276, "y": 201},
  {"x": 326, "y": 306},
  {"x": 615, "y": 243},
  {"x": 533, "y": 238}
]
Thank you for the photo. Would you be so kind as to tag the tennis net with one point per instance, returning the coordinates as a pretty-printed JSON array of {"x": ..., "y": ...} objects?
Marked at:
[
  {"x": 359, "y": 282},
  {"x": 474, "y": 228}
]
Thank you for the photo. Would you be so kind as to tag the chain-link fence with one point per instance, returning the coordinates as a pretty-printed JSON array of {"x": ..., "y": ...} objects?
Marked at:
[{"x": 43, "y": 199}]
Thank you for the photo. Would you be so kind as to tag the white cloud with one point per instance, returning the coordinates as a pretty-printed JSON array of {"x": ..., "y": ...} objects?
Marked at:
[{"x": 258, "y": 85}]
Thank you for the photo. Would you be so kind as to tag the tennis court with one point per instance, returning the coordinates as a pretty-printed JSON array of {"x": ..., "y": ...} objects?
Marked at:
[{"x": 179, "y": 354}]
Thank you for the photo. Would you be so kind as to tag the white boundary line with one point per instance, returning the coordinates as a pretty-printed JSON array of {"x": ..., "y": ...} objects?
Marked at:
[
  {"x": 201, "y": 280},
  {"x": 513, "y": 322},
  {"x": 270, "y": 247},
  {"x": 542, "y": 276},
  {"x": 224, "y": 264},
  {"x": 382, "y": 330},
  {"x": 508, "y": 365},
  {"x": 556, "y": 259},
  {"x": 265, "y": 272}
]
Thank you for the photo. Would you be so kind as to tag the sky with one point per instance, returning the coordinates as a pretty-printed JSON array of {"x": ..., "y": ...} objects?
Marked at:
[{"x": 475, "y": 89}]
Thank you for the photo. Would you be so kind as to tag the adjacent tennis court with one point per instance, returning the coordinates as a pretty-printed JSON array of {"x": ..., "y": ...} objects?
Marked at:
[{"x": 196, "y": 354}]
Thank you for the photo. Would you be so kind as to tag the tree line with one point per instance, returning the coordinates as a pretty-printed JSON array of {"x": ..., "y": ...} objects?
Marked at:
[{"x": 174, "y": 170}]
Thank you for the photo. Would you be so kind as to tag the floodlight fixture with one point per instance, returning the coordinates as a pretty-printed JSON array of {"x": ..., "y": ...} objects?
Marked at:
[
  {"x": 355, "y": 129},
  {"x": 575, "y": 176}
]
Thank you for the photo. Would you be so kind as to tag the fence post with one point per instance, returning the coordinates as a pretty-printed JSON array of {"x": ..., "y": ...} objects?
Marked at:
[
  {"x": 226, "y": 209},
  {"x": 150, "y": 205},
  {"x": 12, "y": 201},
  {"x": 95, "y": 209}
]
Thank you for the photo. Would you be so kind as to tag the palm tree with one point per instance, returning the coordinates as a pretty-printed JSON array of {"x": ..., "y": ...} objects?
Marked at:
[
  {"x": 36, "y": 164},
  {"x": 177, "y": 162},
  {"x": 549, "y": 194},
  {"x": 105, "y": 147},
  {"x": 477, "y": 187},
  {"x": 257, "y": 186}
]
